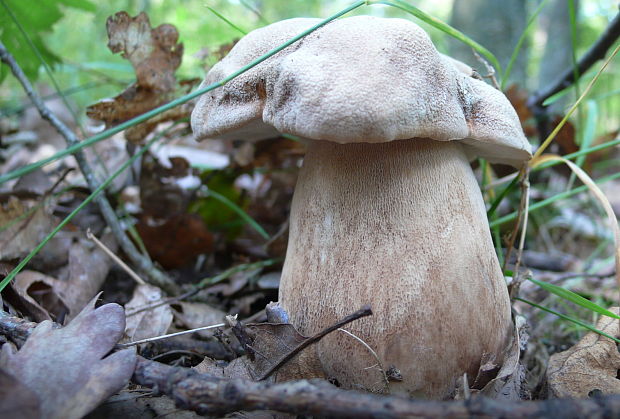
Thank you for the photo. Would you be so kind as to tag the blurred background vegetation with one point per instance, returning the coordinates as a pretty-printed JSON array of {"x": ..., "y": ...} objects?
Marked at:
[{"x": 76, "y": 37}]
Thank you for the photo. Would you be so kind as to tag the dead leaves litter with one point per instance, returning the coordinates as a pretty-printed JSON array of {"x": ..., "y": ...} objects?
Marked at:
[
  {"x": 67, "y": 368},
  {"x": 590, "y": 367},
  {"x": 155, "y": 55}
]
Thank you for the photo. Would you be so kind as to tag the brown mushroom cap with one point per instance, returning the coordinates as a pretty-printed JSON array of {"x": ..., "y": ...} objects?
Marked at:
[{"x": 359, "y": 79}]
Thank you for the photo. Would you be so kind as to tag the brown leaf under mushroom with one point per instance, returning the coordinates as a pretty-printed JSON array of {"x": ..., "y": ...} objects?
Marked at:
[{"x": 589, "y": 367}]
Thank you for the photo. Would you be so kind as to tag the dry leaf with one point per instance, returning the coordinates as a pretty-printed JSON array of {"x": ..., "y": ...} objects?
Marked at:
[
  {"x": 155, "y": 56},
  {"x": 195, "y": 315},
  {"x": 153, "y": 53},
  {"x": 589, "y": 366},
  {"x": 508, "y": 384},
  {"x": 49, "y": 298},
  {"x": 64, "y": 367},
  {"x": 17, "y": 400},
  {"x": 87, "y": 270},
  {"x": 268, "y": 343},
  {"x": 23, "y": 225},
  {"x": 147, "y": 323},
  {"x": 43, "y": 295}
]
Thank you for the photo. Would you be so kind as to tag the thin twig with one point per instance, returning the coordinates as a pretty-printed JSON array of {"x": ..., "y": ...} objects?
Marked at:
[
  {"x": 170, "y": 335},
  {"x": 155, "y": 276},
  {"x": 596, "y": 52},
  {"x": 362, "y": 312},
  {"x": 525, "y": 193},
  {"x": 115, "y": 258},
  {"x": 490, "y": 70},
  {"x": 513, "y": 235},
  {"x": 214, "y": 396},
  {"x": 373, "y": 353}
]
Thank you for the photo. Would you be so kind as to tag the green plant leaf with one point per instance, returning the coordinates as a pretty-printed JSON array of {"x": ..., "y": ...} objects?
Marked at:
[{"x": 37, "y": 20}]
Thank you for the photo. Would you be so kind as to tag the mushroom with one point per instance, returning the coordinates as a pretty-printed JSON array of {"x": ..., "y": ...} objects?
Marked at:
[{"x": 386, "y": 210}]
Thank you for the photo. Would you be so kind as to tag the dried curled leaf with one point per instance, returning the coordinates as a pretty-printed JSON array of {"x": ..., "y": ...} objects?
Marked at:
[
  {"x": 266, "y": 344},
  {"x": 589, "y": 366},
  {"x": 66, "y": 367},
  {"x": 23, "y": 224},
  {"x": 148, "y": 323},
  {"x": 155, "y": 55}
]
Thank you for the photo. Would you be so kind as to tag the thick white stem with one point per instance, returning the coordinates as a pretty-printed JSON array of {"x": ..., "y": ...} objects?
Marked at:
[{"x": 400, "y": 226}]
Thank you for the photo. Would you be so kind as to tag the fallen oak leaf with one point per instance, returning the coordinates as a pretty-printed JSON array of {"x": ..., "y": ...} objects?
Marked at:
[
  {"x": 66, "y": 367},
  {"x": 589, "y": 366},
  {"x": 17, "y": 400},
  {"x": 148, "y": 323}
]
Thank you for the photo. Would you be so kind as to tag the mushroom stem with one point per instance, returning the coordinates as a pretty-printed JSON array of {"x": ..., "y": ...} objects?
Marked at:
[{"x": 400, "y": 226}]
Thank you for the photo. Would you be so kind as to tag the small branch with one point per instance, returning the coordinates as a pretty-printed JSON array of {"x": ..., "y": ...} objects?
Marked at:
[
  {"x": 111, "y": 255},
  {"x": 362, "y": 312},
  {"x": 595, "y": 53},
  {"x": 216, "y": 396},
  {"x": 209, "y": 395},
  {"x": 379, "y": 364},
  {"x": 156, "y": 277},
  {"x": 170, "y": 335}
]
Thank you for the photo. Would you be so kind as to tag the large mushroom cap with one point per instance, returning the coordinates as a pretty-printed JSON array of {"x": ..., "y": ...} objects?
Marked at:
[{"x": 358, "y": 79}]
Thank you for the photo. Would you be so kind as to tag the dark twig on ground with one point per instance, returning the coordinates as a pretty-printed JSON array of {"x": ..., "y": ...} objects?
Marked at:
[
  {"x": 211, "y": 395},
  {"x": 596, "y": 52},
  {"x": 362, "y": 312},
  {"x": 143, "y": 263}
]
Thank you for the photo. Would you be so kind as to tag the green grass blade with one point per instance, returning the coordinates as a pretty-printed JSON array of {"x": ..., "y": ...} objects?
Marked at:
[
  {"x": 570, "y": 319},
  {"x": 501, "y": 196},
  {"x": 73, "y": 213},
  {"x": 589, "y": 130},
  {"x": 244, "y": 215},
  {"x": 515, "y": 52},
  {"x": 571, "y": 156},
  {"x": 551, "y": 200},
  {"x": 45, "y": 65},
  {"x": 573, "y": 298},
  {"x": 179, "y": 101},
  {"x": 232, "y": 25},
  {"x": 557, "y": 96},
  {"x": 444, "y": 27}
]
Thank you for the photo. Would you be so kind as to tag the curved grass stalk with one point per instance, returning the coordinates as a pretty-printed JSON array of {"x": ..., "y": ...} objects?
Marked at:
[
  {"x": 591, "y": 185},
  {"x": 546, "y": 202}
]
